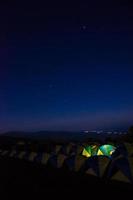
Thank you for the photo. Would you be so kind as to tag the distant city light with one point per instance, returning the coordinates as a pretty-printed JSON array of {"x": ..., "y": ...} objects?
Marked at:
[{"x": 86, "y": 131}]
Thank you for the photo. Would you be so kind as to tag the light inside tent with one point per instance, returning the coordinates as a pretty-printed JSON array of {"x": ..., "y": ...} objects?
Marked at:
[
  {"x": 94, "y": 150},
  {"x": 107, "y": 149}
]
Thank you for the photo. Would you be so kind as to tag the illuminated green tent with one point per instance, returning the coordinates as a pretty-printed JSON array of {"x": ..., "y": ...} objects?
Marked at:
[
  {"x": 95, "y": 150},
  {"x": 90, "y": 151},
  {"x": 106, "y": 150}
]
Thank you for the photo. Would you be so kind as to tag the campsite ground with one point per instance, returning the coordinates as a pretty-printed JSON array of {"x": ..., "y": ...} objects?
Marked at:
[{"x": 23, "y": 180}]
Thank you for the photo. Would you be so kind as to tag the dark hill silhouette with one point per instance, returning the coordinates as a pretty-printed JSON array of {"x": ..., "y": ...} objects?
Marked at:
[
  {"x": 59, "y": 135},
  {"x": 50, "y": 135}
]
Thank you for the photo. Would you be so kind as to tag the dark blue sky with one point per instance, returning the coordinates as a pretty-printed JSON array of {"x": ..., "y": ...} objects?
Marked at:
[{"x": 66, "y": 66}]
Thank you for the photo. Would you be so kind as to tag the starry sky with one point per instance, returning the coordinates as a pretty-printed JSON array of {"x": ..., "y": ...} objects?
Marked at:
[{"x": 66, "y": 65}]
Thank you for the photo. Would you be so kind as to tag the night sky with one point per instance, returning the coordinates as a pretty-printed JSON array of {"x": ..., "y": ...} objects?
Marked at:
[{"x": 66, "y": 66}]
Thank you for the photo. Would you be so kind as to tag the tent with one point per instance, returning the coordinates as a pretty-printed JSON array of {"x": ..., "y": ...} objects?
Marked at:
[
  {"x": 106, "y": 150},
  {"x": 75, "y": 162},
  {"x": 21, "y": 154},
  {"x": 121, "y": 170},
  {"x": 123, "y": 150},
  {"x": 4, "y": 152},
  {"x": 13, "y": 153},
  {"x": 96, "y": 166},
  {"x": 32, "y": 156},
  {"x": 45, "y": 157},
  {"x": 89, "y": 151},
  {"x": 91, "y": 166},
  {"x": 57, "y": 160},
  {"x": 57, "y": 149},
  {"x": 129, "y": 148},
  {"x": 79, "y": 149},
  {"x": 103, "y": 165},
  {"x": 95, "y": 150},
  {"x": 67, "y": 149}
]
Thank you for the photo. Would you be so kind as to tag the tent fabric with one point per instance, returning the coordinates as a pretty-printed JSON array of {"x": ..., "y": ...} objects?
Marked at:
[
  {"x": 52, "y": 160},
  {"x": 102, "y": 161},
  {"x": 38, "y": 157},
  {"x": 67, "y": 149},
  {"x": 26, "y": 155},
  {"x": 57, "y": 148},
  {"x": 93, "y": 150},
  {"x": 75, "y": 162},
  {"x": 21, "y": 154},
  {"x": 13, "y": 153},
  {"x": 92, "y": 163},
  {"x": 63, "y": 150},
  {"x": 57, "y": 160},
  {"x": 69, "y": 162},
  {"x": 120, "y": 151},
  {"x": 45, "y": 158},
  {"x": 90, "y": 151},
  {"x": 123, "y": 166},
  {"x": 86, "y": 152},
  {"x": 96, "y": 164},
  {"x": 32, "y": 156},
  {"x": 60, "y": 160},
  {"x": 107, "y": 150},
  {"x": 20, "y": 143},
  {"x": 79, "y": 162},
  {"x": 129, "y": 148},
  {"x": 119, "y": 176},
  {"x": 100, "y": 153},
  {"x": 130, "y": 161},
  {"x": 79, "y": 150},
  {"x": 5, "y": 152}
]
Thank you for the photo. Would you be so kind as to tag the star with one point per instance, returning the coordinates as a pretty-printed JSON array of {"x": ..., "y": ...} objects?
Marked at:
[
  {"x": 83, "y": 27},
  {"x": 65, "y": 100},
  {"x": 51, "y": 86}
]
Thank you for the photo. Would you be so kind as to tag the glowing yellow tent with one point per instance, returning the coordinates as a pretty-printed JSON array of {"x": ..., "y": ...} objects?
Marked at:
[{"x": 94, "y": 150}]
